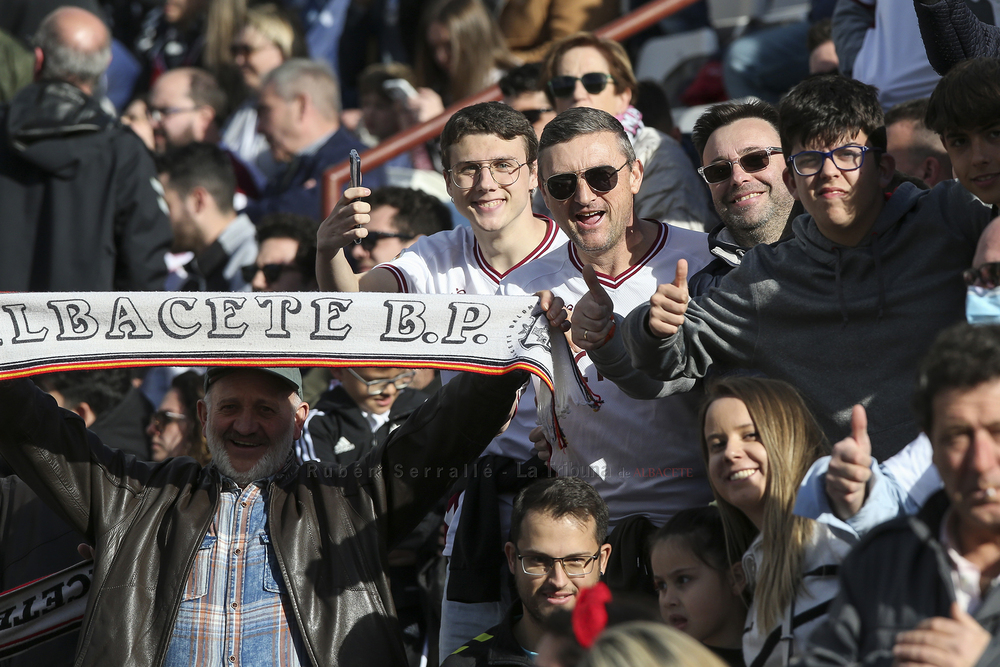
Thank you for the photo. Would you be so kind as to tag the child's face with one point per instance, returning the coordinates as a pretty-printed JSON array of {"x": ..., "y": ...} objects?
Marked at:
[
  {"x": 695, "y": 598},
  {"x": 737, "y": 459},
  {"x": 844, "y": 204},
  {"x": 975, "y": 158}
]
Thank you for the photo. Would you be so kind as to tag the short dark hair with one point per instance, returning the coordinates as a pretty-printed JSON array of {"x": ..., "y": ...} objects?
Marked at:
[
  {"x": 828, "y": 107},
  {"x": 820, "y": 32},
  {"x": 558, "y": 497},
  {"x": 580, "y": 121},
  {"x": 967, "y": 97},
  {"x": 101, "y": 389},
  {"x": 726, "y": 113},
  {"x": 204, "y": 90},
  {"x": 200, "y": 164},
  {"x": 494, "y": 118},
  {"x": 297, "y": 227},
  {"x": 909, "y": 110},
  {"x": 418, "y": 212},
  {"x": 525, "y": 78},
  {"x": 962, "y": 357}
]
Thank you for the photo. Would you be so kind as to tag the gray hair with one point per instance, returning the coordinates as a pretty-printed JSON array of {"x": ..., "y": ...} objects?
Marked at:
[
  {"x": 580, "y": 121},
  {"x": 62, "y": 62},
  {"x": 301, "y": 76}
]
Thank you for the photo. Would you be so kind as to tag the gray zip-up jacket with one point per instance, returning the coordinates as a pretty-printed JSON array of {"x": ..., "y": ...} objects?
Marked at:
[{"x": 845, "y": 325}]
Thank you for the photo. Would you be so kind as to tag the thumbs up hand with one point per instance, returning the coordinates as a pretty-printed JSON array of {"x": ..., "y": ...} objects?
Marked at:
[
  {"x": 593, "y": 315},
  {"x": 850, "y": 468},
  {"x": 669, "y": 303}
]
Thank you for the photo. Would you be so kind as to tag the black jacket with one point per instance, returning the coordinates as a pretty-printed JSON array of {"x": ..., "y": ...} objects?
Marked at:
[
  {"x": 336, "y": 430},
  {"x": 496, "y": 646},
  {"x": 79, "y": 192},
  {"x": 953, "y": 32},
  {"x": 896, "y": 577},
  {"x": 331, "y": 527}
]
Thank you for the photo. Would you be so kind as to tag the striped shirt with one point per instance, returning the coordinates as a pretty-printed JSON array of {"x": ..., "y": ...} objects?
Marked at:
[{"x": 235, "y": 607}]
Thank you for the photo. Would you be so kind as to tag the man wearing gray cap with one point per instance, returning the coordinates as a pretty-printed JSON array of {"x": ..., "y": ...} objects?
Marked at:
[{"x": 252, "y": 559}]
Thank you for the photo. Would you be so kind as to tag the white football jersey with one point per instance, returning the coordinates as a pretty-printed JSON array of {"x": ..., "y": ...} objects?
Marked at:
[
  {"x": 642, "y": 456},
  {"x": 452, "y": 262}
]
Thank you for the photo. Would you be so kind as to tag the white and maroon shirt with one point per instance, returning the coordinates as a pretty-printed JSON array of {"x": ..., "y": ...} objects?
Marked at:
[
  {"x": 642, "y": 456},
  {"x": 452, "y": 262}
]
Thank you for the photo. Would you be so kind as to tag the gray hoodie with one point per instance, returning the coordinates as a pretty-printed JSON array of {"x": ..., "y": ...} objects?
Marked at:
[{"x": 844, "y": 325}]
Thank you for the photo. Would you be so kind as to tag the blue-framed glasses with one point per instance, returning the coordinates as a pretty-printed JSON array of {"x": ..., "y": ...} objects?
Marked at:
[{"x": 845, "y": 158}]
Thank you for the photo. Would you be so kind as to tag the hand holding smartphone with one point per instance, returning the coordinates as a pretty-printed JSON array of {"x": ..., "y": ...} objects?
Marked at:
[{"x": 355, "y": 176}]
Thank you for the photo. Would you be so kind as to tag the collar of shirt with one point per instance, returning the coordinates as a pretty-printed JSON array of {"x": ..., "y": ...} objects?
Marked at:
[
  {"x": 312, "y": 148},
  {"x": 964, "y": 574},
  {"x": 375, "y": 422}
]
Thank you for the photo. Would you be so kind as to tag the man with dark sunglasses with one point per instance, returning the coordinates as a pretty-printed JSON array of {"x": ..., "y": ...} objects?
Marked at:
[
  {"x": 590, "y": 176},
  {"x": 286, "y": 256},
  {"x": 589, "y": 71},
  {"x": 743, "y": 165},
  {"x": 845, "y": 307},
  {"x": 399, "y": 217}
]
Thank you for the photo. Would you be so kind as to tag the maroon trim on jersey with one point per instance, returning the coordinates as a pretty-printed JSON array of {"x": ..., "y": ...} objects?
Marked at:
[
  {"x": 551, "y": 231},
  {"x": 398, "y": 275},
  {"x": 616, "y": 282}
]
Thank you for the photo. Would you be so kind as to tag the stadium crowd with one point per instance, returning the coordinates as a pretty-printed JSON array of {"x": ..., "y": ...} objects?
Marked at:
[{"x": 789, "y": 312}]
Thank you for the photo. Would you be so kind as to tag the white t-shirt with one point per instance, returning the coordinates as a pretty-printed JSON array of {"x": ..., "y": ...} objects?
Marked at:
[
  {"x": 452, "y": 262},
  {"x": 642, "y": 456}
]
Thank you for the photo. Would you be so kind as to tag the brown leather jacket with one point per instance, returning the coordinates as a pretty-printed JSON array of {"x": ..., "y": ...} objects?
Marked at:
[{"x": 330, "y": 528}]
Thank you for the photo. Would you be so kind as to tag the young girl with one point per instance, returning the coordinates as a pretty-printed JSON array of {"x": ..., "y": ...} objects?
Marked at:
[
  {"x": 758, "y": 440},
  {"x": 700, "y": 591}
]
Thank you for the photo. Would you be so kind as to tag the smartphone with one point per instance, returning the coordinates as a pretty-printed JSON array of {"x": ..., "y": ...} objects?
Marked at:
[
  {"x": 399, "y": 89},
  {"x": 355, "y": 176}
]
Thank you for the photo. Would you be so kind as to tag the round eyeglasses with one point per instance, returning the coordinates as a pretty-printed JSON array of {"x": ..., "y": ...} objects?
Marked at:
[
  {"x": 378, "y": 387},
  {"x": 845, "y": 158},
  {"x": 504, "y": 172},
  {"x": 573, "y": 566},
  {"x": 722, "y": 170},
  {"x": 600, "y": 179},
  {"x": 593, "y": 83}
]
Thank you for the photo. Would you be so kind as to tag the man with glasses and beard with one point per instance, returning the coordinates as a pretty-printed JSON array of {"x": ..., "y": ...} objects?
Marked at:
[
  {"x": 743, "y": 165},
  {"x": 252, "y": 555},
  {"x": 556, "y": 550},
  {"x": 590, "y": 175}
]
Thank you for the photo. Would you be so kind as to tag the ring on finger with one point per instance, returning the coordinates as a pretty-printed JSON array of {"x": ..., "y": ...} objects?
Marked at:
[{"x": 585, "y": 332}]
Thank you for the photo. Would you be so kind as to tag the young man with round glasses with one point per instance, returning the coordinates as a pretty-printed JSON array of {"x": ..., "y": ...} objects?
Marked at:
[
  {"x": 489, "y": 152},
  {"x": 589, "y": 175},
  {"x": 845, "y": 307},
  {"x": 556, "y": 549},
  {"x": 587, "y": 71}
]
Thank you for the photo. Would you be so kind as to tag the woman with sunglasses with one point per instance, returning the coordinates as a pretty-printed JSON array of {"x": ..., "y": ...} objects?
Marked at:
[
  {"x": 587, "y": 71},
  {"x": 174, "y": 429}
]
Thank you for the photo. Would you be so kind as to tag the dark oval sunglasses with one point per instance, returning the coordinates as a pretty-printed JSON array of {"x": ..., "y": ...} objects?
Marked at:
[
  {"x": 271, "y": 271},
  {"x": 600, "y": 179},
  {"x": 593, "y": 83},
  {"x": 721, "y": 170}
]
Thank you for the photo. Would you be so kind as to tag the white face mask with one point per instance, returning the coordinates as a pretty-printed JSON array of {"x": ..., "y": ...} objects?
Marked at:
[{"x": 982, "y": 305}]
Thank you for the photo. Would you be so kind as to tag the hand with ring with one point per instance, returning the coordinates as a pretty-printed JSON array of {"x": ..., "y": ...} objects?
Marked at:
[{"x": 594, "y": 314}]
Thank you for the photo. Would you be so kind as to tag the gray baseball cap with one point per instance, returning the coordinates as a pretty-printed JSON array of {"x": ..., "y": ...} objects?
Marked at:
[{"x": 291, "y": 376}]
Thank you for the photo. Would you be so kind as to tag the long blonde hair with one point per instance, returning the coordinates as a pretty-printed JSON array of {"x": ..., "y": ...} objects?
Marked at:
[
  {"x": 793, "y": 441},
  {"x": 648, "y": 644},
  {"x": 477, "y": 49}
]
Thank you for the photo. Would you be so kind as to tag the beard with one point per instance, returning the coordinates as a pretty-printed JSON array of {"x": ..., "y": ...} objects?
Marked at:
[{"x": 268, "y": 464}]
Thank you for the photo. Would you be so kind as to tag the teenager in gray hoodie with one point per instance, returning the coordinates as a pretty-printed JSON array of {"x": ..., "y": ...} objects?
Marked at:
[{"x": 842, "y": 310}]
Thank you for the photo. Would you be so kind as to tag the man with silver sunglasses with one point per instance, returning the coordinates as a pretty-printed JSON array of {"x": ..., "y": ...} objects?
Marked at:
[
  {"x": 743, "y": 166},
  {"x": 845, "y": 307}
]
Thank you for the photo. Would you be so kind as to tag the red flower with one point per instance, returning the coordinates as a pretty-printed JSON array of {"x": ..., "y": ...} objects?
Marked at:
[{"x": 590, "y": 614}]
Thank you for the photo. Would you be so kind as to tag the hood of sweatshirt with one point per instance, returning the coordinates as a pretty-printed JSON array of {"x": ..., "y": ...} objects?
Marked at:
[
  {"x": 722, "y": 245},
  {"x": 43, "y": 113},
  {"x": 825, "y": 251}
]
